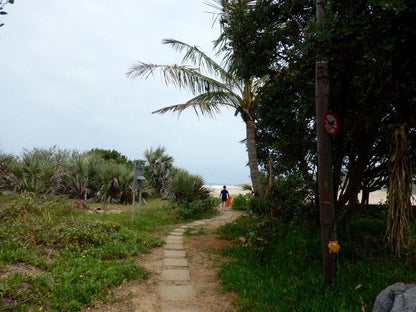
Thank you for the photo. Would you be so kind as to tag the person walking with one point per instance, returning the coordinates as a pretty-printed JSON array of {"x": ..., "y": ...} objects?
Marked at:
[{"x": 224, "y": 196}]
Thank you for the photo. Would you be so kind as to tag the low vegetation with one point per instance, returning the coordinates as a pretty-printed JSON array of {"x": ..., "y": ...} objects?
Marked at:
[
  {"x": 279, "y": 265},
  {"x": 55, "y": 257}
]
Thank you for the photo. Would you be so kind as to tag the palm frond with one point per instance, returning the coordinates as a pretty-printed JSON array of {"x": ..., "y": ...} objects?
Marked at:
[
  {"x": 195, "y": 56},
  {"x": 181, "y": 76},
  {"x": 206, "y": 104}
]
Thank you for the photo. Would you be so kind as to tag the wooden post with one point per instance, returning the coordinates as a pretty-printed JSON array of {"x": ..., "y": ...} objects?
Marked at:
[
  {"x": 133, "y": 204},
  {"x": 325, "y": 176}
]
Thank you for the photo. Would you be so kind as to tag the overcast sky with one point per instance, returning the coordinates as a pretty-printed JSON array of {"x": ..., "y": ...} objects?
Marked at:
[{"x": 63, "y": 83}]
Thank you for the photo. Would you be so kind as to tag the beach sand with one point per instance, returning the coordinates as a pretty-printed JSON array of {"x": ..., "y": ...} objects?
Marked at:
[
  {"x": 233, "y": 190},
  {"x": 377, "y": 197}
]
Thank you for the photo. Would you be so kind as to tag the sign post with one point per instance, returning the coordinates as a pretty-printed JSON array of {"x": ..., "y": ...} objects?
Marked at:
[
  {"x": 326, "y": 124},
  {"x": 138, "y": 184}
]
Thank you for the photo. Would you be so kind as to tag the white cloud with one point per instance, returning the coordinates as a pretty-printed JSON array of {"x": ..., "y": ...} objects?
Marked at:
[{"x": 63, "y": 83}]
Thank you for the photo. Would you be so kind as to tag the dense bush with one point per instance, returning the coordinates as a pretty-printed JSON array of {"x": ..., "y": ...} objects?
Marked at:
[
  {"x": 279, "y": 268},
  {"x": 184, "y": 186},
  {"x": 240, "y": 202},
  {"x": 293, "y": 197},
  {"x": 197, "y": 209}
]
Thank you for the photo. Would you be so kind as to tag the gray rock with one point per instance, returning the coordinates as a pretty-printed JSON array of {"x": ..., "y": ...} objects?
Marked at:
[{"x": 398, "y": 297}]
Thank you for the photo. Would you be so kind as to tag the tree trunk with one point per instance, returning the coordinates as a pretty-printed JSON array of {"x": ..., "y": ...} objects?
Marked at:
[
  {"x": 269, "y": 190},
  {"x": 399, "y": 191},
  {"x": 252, "y": 159},
  {"x": 365, "y": 199}
]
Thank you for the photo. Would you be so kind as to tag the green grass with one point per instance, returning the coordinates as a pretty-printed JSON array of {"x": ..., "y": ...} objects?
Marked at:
[
  {"x": 280, "y": 269},
  {"x": 56, "y": 258}
]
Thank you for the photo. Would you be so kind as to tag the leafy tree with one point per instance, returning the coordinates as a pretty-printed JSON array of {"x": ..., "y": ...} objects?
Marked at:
[
  {"x": 372, "y": 82},
  {"x": 214, "y": 87},
  {"x": 111, "y": 155}
]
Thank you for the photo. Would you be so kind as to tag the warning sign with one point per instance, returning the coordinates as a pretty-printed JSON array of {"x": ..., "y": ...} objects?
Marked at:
[{"x": 330, "y": 123}]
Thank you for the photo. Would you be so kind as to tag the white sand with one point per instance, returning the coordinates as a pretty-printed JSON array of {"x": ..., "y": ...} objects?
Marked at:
[
  {"x": 380, "y": 197},
  {"x": 232, "y": 190},
  {"x": 377, "y": 197}
]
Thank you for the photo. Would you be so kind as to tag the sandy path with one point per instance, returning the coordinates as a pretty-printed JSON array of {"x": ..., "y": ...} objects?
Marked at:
[{"x": 144, "y": 295}]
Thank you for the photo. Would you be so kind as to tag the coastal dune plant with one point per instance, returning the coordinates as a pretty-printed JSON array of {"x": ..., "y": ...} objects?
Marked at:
[
  {"x": 81, "y": 174},
  {"x": 34, "y": 171},
  {"x": 184, "y": 186},
  {"x": 7, "y": 180},
  {"x": 158, "y": 169}
]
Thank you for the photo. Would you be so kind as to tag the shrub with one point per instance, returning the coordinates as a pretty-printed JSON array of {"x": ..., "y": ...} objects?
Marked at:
[
  {"x": 293, "y": 197},
  {"x": 197, "y": 208},
  {"x": 258, "y": 206},
  {"x": 186, "y": 187},
  {"x": 240, "y": 202}
]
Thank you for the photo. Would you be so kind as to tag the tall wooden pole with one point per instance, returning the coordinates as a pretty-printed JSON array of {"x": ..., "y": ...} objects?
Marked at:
[{"x": 325, "y": 178}]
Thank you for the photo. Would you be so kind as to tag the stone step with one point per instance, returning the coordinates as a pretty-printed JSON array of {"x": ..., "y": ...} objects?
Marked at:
[
  {"x": 176, "y": 262},
  {"x": 174, "y": 253},
  {"x": 170, "y": 246},
  {"x": 175, "y": 275},
  {"x": 177, "y": 292}
]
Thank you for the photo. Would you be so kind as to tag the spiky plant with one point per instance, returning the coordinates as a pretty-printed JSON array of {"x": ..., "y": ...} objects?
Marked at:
[
  {"x": 159, "y": 165},
  {"x": 184, "y": 186}
]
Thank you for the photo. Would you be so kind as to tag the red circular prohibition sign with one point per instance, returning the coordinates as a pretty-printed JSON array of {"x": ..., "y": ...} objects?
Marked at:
[{"x": 330, "y": 123}]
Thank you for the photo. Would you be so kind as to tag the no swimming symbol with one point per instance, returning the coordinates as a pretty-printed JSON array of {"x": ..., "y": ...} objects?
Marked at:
[{"x": 330, "y": 123}]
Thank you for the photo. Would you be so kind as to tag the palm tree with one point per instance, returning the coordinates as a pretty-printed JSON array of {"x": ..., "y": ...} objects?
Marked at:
[{"x": 213, "y": 87}]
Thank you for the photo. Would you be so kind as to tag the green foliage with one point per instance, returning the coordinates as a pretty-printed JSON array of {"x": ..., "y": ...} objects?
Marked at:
[
  {"x": 293, "y": 197},
  {"x": 240, "y": 202},
  {"x": 279, "y": 267},
  {"x": 197, "y": 209},
  {"x": 57, "y": 258},
  {"x": 113, "y": 155},
  {"x": 372, "y": 79},
  {"x": 159, "y": 165},
  {"x": 258, "y": 206},
  {"x": 36, "y": 169},
  {"x": 184, "y": 186}
]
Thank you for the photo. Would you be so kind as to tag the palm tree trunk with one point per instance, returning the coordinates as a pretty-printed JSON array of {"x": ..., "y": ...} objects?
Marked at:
[{"x": 252, "y": 159}]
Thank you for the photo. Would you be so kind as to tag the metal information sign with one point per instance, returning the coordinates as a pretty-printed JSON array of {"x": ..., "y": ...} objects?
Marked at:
[
  {"x": 138, "y": 181},
  {"x": 138, "y": 184}
]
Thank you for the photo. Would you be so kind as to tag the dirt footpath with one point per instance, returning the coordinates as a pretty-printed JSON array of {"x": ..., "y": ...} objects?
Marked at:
[{"x": 202, "y": 262}]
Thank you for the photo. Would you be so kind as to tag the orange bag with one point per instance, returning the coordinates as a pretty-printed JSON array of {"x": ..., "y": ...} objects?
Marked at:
[{"x": 229, "y": 201}]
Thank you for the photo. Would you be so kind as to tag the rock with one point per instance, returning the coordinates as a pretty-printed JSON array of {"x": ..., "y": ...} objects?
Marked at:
[
  {"x": 243, "y": 240},
  {"x": 398, "y": 297}
]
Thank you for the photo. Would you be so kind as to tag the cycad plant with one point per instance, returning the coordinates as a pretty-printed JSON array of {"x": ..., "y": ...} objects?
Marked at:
[
  {"x": 34, "y": 171},
  {"x": 81, "y": 171},
  {"x": 7, "y": 180},
  {"x": 214, "y": 87},
  {"x": 159, "y": 165},
  {"x": 187, "y": 187}
]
